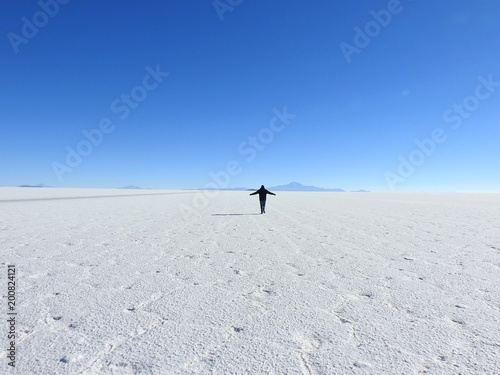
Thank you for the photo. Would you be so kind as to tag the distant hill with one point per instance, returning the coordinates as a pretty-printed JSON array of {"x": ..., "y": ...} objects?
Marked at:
[
  {"x": 36, "y": 186},
  {"x": 297, "y": 186},
  {"x": 292, "y": 186},
  {"x": 130, "y": 187}
]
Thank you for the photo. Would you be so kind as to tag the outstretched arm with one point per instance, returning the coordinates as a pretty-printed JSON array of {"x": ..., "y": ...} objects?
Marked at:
[
  {"x": 254, "y": 193},
  {"x": 268, "y": 192}
]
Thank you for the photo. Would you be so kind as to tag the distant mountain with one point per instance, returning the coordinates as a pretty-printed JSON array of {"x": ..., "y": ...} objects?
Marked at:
[
  {"x": 297, "y": 186},
  {"x": 360, "y": 191},
  {"x": 130, "y": 187},
  {"x": 38, "y": 186},
  {"x": 292, "y": 186}
]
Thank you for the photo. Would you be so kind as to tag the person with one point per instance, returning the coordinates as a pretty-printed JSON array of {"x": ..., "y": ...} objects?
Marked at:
[{"x": 262, "y": 198}]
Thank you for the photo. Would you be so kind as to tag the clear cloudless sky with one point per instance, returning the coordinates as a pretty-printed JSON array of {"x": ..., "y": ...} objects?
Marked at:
[{"x": 356, "y": 84}]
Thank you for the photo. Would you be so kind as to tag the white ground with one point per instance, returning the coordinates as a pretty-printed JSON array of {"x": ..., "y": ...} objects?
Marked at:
[{"x": 323, "y": 283}]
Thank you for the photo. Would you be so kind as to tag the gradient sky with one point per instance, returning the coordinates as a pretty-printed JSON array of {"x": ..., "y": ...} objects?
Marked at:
[{"x": 358, "y": 81}]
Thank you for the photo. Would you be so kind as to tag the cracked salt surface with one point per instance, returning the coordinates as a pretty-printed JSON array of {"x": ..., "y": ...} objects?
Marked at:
[{"x": 323, "y": 283}]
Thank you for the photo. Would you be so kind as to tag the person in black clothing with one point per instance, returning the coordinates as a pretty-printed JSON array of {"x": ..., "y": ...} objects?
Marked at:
[{"x": 262, "y": 198}]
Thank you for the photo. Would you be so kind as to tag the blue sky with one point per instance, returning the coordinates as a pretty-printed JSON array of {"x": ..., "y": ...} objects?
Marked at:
[{"x": 183, "y": 94}]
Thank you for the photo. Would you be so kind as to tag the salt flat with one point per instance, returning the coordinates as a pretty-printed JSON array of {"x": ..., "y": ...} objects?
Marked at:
[{"x": 121, "y": 282}]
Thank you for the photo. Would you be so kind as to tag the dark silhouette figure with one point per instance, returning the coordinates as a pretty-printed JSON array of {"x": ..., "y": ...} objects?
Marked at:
[{"x": 262, "y": 198}]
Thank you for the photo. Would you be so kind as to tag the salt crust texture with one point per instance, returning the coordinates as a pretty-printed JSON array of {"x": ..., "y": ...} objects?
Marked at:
[{"x": 123, "y": 282}]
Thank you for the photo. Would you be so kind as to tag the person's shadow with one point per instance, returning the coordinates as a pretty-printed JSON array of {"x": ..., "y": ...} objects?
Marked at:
[{"x": 233, "y": 214}]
